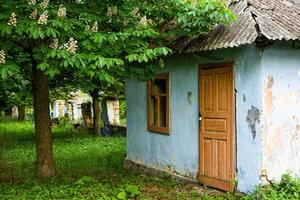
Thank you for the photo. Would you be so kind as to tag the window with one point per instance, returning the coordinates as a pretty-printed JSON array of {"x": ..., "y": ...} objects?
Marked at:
[{"x": 158, "y": 104}]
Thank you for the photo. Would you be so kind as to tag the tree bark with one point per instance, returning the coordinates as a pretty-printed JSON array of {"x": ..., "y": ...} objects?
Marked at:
[
  {"x": 45, "y": 163},
  {"x": 96, "y": 111},
  {"x": 21, "y": 113},
  {"x": 104, "y": 113}
]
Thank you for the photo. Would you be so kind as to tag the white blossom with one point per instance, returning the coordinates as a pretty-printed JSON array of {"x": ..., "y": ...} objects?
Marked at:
[
  {"x": 2, "y": 57},
  {"x": 25, "y": 82},
  {"x": 71, "y": 46},
  {"x": 144, "y": 21},
  {"x": 136, "y": 12},
  {"x": 111, "y": 11},
  {"x": 62, "y": 12},
  {"x": 32, "y": 2},
  {"x": 13, "y": 20},
  {"x": 54, "y": 44},
  {"x": 95, "y": 27},
  {"x": 87, "y": 28},
  {"x": 43, "y": 20},
  {"x": 33, "y": 15},
  {"x": 45, "y": 4},
  {"x": 125, "y": 21}
]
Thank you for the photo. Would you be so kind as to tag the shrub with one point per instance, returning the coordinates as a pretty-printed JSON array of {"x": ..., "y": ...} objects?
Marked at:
[{"x": 287, "y": 188}]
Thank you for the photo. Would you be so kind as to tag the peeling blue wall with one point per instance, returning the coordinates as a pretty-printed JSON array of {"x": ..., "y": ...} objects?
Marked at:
[{"x": 178, "y": 152}]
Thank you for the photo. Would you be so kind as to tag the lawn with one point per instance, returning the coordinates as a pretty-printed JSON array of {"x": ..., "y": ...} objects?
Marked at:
[{"x": 87, "y": 167}]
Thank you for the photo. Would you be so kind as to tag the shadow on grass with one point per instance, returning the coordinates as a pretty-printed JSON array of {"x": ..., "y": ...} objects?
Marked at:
[
  {"x": 76, "y": 154},
  {"x": 102, "y": 167}
]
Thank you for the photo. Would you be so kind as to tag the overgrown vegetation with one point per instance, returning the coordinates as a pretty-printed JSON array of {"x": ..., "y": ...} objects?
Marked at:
[
  {"x": 90, "y": 167},
  {"x": 287, "y": 188}
]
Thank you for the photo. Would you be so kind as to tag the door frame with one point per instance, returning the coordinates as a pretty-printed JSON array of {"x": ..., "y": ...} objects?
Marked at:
[{"x": 233, "y": 149}]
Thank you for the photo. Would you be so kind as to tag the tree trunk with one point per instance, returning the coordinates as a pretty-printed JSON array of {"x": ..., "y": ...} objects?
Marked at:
[
  {"x": 96, "y": 111},
  {"x": 104, "y": 113},
  {"x": 86, "y": 113},
  {"x": 21, "y": 113},
  {"x": 45, "y": 163}
]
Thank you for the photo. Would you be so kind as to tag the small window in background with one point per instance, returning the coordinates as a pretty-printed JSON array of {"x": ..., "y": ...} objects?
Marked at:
[{"x": 158, "y": 104}]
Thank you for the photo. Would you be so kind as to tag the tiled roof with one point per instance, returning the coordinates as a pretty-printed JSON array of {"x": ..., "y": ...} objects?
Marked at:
[
  {"x": 277, "y": 19},
  {"x": 273, "y": 19}
]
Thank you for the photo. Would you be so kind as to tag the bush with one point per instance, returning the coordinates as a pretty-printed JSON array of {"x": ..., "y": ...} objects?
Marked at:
[
  {"x": 65, "y": 121},
  {"x": 287, "y": 188}
]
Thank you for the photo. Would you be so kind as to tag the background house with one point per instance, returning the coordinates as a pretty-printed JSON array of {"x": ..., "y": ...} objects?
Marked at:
[
  {"x": 72, "y": 108},
  {"x": 241, "y": 86}
]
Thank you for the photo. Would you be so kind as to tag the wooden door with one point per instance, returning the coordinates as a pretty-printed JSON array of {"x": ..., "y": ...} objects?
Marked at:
[{"x": 217, "y": 160}]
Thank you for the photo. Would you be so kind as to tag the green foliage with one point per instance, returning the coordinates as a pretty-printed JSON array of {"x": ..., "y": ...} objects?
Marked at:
[
  {"x": 95, "y": 45},
  {"x": 97, "y": 39},
  {"x": 15, "y": 91},
  {"x": 287, "y": 188},
  {"x": 128, "y": 192},
  {"x": 87, "y": 167}
]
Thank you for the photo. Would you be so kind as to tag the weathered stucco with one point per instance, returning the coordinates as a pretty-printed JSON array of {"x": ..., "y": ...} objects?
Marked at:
[
  {"x": 179, "y": 151},
  {"x": 267, "y": 85},
  {"x": 281, "y": 111}
]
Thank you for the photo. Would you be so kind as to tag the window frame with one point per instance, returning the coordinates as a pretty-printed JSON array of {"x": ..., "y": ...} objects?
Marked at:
[{"x": 151, "y": 128}]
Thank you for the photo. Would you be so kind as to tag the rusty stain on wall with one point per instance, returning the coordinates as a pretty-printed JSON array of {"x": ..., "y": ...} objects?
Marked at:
[
  {"x": 253, "y": 119},
  {"x": 281, "y": 125},
  {"x": 269, "y": 95}
]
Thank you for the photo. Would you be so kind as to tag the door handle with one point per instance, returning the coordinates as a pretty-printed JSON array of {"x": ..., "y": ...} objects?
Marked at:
[{"x": 200, "y": 117}]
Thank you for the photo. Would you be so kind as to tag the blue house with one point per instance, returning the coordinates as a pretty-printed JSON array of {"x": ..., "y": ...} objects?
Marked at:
[{"x": 225, "y": 111}]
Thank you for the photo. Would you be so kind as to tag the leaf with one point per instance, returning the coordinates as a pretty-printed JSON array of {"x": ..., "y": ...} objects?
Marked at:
[
  {"x": 5, "y": 29},
  {"x": 112, "y": 38},
  {"x": 56, "y": 23},
  {"x": 132, "y": 57},
  {"x": 122, "y": 195},
  {"x": 41, "y": 34},
  {"x": 43, "y": 66},
  {"x": 52, "y": 54},
  {"x": 145, "y": 58},
  {"x": 132, "y": 189},
  {"x": 98, "y": 38},
  {"x": 52, "y": 72},
  {"x": 161, "y": 63},
  {"x": 8, "y": 70},
  {"x": 66, "y": 63},
  {"x": 51, "y": 32}
]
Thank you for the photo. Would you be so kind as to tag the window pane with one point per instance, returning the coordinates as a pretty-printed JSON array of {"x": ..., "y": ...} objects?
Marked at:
[
  {"x": 159, "y": 86},
  {"x": 163, "y": 112},
  {"x": 154, "y": 113}
]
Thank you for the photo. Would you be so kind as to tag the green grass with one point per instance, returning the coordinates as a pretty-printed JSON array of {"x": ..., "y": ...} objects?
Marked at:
[{"x": 87, "y": 167}]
